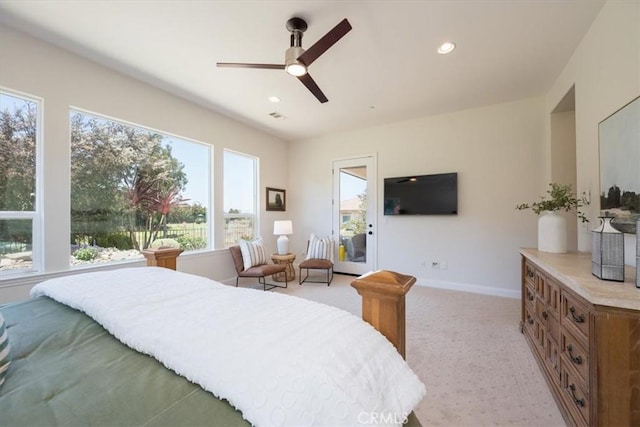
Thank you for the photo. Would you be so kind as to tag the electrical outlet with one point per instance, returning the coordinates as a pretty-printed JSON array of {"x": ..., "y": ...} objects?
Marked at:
[{"x": 435, "y": 264}]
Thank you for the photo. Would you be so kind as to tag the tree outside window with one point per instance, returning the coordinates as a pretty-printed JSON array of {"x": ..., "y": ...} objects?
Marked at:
[
  {"x": 19, "y": 211},
  {"x": 130, "y": 186}
]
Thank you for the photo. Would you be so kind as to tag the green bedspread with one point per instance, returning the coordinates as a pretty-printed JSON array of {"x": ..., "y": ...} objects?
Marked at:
[{"x": 67, "y": 370}]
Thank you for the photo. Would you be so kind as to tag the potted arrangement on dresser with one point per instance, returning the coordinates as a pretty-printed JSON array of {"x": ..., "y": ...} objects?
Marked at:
[{"x": 552, "y": 227}]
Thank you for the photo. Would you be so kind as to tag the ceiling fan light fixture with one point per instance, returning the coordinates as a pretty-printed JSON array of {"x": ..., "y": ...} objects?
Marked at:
[
  {"x": 296, "y": 69},
  {"x": 297, "y": 60},
  {"x": 291, "y": 63},
  {"x": 446, "y": 47}
]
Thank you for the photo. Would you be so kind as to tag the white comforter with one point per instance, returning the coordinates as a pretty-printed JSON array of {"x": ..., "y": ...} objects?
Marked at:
[{"x": 280, "y": 360}]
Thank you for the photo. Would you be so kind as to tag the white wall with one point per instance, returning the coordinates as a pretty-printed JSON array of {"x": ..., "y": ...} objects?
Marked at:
[
  {"x": 502, "y": 154},
  {"x": 498, "y": 152},
  {"x": 65, "y": 80},
  {"x": 605, "y": 69}
]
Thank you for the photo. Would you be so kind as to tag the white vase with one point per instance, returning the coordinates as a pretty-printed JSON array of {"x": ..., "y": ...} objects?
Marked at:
[{"x": 552, "y": 233}]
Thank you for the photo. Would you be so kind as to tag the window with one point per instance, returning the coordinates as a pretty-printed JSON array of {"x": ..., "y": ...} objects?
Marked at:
[
  {"x": 240, "y": 197},
  {"x": 131, "y": 186},
  {"x": 20, "y": 232}
]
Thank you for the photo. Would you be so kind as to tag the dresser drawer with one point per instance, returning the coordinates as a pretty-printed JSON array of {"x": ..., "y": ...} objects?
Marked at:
[
  {"x": 529, "y": 272},
  {"x": 576, "y": 316},
  {"x": 575, "y": 397},
  {"x": 529, "y": 321},
  {"x": 552, "y": 359},
  {"x": 533, "y": 329},
  {"x": 548, "y": 320},
  {"x": 552, "y": 296},
  {"x": 530, "y": 295},
  {"x": 575, "y": 355}
]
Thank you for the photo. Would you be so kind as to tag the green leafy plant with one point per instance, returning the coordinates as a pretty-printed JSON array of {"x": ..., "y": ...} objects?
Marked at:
[
  {"x": 86, "y": 254},
  {"x": 191, "y": 243},
  {"x": 560, "y": 198},
  {"x": 114, "y": 240}
]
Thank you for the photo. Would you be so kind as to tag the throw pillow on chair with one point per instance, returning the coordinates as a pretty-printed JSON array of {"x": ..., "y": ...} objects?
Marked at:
[{"x": 319, "y": 257}]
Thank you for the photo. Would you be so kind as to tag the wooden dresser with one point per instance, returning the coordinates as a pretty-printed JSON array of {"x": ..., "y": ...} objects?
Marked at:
[{"x": 585, "y": 334}]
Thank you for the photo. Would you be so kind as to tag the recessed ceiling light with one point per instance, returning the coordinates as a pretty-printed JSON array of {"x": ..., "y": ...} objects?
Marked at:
[
  {"x": 274, "y": 99},
  {"x": 446, "y": 47}
]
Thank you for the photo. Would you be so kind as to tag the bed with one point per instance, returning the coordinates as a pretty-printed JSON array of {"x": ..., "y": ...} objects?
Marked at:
[{"x": 152, "y": 346}]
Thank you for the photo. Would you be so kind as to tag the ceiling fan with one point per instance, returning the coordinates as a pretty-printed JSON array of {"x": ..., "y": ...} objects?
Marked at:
[{"x": 297, "y": 60}]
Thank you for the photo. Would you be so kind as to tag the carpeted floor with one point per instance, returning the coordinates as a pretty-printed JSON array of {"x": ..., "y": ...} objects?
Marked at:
[{"x": 468, "y": 351}]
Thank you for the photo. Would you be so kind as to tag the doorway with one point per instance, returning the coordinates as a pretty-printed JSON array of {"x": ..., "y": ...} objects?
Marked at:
[
  {"x": 354, "y": 214},
  {"x": 563, "y": 156}
]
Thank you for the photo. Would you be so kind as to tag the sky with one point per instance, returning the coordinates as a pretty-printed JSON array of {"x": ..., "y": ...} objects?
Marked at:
[
  {"x": 351, "y": 186},
  {"x": 238, "y": 174},
  {"x": 196, "y": 158},
  {"x": 239, "y": 184}
]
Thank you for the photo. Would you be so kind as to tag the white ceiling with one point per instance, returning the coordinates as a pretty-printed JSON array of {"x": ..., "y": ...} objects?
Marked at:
[{"x": 386, "y": 69}]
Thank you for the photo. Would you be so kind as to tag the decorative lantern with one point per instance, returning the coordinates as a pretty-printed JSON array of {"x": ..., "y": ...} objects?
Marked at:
[{"x": 607, "y": 251}]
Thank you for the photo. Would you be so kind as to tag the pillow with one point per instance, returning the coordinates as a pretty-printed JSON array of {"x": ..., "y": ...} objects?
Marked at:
[
  {"x": 4, "y": 350},
  {"x": 252, "y": 253},
  {"x": 320, "y": 248}
]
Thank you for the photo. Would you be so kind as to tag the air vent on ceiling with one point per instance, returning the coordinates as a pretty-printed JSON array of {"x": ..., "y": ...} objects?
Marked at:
[{"x": 277, "y": 115}]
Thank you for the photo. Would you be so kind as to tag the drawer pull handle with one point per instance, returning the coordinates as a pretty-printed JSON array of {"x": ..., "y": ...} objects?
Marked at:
[
  {"x": 576, "y": 360},
  {"x": 578, "y": 402},
  {"x": 577, "y": 319},
  {"x": 530, "y": 296},
  {"x": 545, "y": 315}
]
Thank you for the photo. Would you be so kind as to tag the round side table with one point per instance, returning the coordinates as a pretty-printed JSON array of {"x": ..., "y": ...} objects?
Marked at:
[{"x": 287, "y": 261}]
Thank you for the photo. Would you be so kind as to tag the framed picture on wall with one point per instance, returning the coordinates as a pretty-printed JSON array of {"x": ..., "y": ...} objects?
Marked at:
[
  {"x": 276, "y": 199},
  {"x": 619, "y": 136}
]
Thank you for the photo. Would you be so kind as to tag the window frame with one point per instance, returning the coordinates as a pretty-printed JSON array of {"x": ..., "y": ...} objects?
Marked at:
[
  {"x": 36, "y": 216},
  {"x": 255, "y": 195},
  {"x": 209, "y": 179}
]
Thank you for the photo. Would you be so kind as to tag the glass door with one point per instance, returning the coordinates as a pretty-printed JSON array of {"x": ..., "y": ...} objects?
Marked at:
[{"x": 354, "y": 215}]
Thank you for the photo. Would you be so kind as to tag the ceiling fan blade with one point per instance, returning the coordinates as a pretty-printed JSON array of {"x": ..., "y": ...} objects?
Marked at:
[
  {"x": 243, "y": 65},
  {"x": 328, "y": 40},
  {"x": 313, "y": 87}
]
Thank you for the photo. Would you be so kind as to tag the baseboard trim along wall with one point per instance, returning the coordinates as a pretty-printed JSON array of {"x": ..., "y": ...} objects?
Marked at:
[{"x": 467, "y": 287}]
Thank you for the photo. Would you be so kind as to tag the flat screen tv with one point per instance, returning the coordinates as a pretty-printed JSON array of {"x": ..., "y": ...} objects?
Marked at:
[{"x": 421, "y": 195}]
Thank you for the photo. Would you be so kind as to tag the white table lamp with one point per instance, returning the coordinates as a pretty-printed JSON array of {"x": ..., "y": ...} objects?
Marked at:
[{"x": 282, "y": 228}]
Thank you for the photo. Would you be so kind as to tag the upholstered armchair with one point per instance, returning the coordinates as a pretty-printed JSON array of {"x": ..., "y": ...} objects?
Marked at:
[
  {"x": 319, "y": 257},
  {"x": 260, "y": 271}
]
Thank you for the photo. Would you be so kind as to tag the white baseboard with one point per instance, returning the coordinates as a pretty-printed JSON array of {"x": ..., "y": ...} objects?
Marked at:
[{"x": 467, "y": 287}]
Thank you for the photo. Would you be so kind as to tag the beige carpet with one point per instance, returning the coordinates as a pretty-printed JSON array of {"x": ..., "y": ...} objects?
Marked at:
[{"x": 468, "y": 351}]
